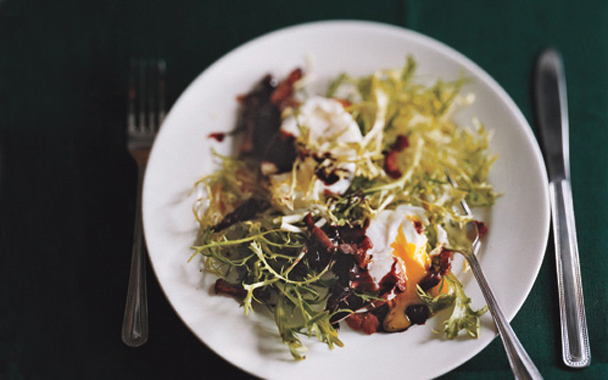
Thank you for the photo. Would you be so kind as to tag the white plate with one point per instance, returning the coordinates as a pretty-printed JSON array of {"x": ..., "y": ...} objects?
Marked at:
[{"x": 513, "y": 250}]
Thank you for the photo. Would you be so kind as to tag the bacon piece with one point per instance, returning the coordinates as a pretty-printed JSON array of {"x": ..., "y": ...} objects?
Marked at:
[
  {"x": 345, "y": 102},
  {"x": 351, "y": 280},
  {"x": 350, "y": 268},
  {"x": 237, "y": 291},
  {"x": 418, "y": 226},
  {"x": 390, "y": 165},
  {"x": 317, "y": 234},
  {"x": 352, "y": 235},
  {"x": 359, "y": 252},
  {"x": 390, "y": 160},
  {"x": 392, "y": 281},
  {"x": 282, "y": 96},
  {"x": 224, "y": 287},
  {"x": 319, "y": 248},
  {"x": 441, "y": 264},
  {"x": 401, "y": 143},
  {"x": 482, "y": 228},
  {"x": 365, "y": 322},
  {"x": 363, "y": 282},
  {"x": 429, "y": 281},
  {"x": 260, "y": 122}
]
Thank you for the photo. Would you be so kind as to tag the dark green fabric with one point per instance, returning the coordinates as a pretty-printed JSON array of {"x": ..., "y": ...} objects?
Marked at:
[{"x": 67, "y": 184}]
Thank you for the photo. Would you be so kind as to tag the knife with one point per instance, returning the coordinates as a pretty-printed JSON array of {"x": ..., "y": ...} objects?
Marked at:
[{"x": 552, "y": 112}]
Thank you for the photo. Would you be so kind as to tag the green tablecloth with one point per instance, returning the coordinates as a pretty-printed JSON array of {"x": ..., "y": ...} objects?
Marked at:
[{"x": 67, "y": 184}]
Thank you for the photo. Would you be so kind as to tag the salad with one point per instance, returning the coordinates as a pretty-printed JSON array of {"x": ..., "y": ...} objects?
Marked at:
[{"x": 337, "y": 207}]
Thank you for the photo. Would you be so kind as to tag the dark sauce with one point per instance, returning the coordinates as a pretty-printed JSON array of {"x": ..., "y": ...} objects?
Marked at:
[
  {"x": 329, "y": 177},
  {"x": 418, "y": 314},
  {"x": 259, "y": 118},
  {"x": 218, "y": 136},
  {"x": 281, "y": 151}
]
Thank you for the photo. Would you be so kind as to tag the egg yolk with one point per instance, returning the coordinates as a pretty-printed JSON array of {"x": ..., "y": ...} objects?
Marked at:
[
  {"x": 415, "y": 262},
  {"x": 414, "y": 257}
]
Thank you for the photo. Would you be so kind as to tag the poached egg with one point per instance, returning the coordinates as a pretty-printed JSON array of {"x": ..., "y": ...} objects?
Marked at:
[
  {"x": 328, "y": 128},
  {"x": 398, "y": 238}
]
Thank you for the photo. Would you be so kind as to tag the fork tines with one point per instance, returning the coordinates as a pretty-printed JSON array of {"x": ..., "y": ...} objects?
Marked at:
[{"x": 146, "y": 95}]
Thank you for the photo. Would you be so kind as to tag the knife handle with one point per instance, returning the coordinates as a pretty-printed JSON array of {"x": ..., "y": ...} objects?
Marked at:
[{"x": 575, "y": 338}]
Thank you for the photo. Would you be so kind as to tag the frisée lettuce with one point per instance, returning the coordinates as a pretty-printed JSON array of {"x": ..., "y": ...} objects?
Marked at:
[{"x": 284, "y": 223}]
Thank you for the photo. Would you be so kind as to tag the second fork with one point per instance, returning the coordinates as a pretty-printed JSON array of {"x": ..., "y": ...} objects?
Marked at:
[{"x": 146, "y": 111}]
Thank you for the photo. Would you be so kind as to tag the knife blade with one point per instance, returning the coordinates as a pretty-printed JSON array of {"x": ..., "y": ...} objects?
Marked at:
[{"x": 552, "y": 114}]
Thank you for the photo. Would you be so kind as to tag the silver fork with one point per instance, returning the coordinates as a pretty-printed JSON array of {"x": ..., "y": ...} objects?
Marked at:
[
  {"x": 522, "y": 366},
  {"x": 146, "y": 111}
]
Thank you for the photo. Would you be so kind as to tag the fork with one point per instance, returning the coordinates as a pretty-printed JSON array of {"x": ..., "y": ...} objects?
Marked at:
[
  {"x": 521, "y": 364},
  {"x": 146, "y": 111}
]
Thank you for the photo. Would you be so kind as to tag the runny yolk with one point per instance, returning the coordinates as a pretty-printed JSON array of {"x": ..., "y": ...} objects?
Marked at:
[{"x": 415, "y": 262}]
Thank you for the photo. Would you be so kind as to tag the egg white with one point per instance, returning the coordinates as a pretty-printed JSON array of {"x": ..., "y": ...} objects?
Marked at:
[
  {"x": 329, "y": 125},
  {"x": 383, "y": 231},
  {"x": 326, "y": 120}
]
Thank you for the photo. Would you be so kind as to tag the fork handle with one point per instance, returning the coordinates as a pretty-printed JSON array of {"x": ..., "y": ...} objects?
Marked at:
[
  {"x": 575, "y": 338},
  {"x": 135, "y": 321},
  {"x": 521, "y": 364}
]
